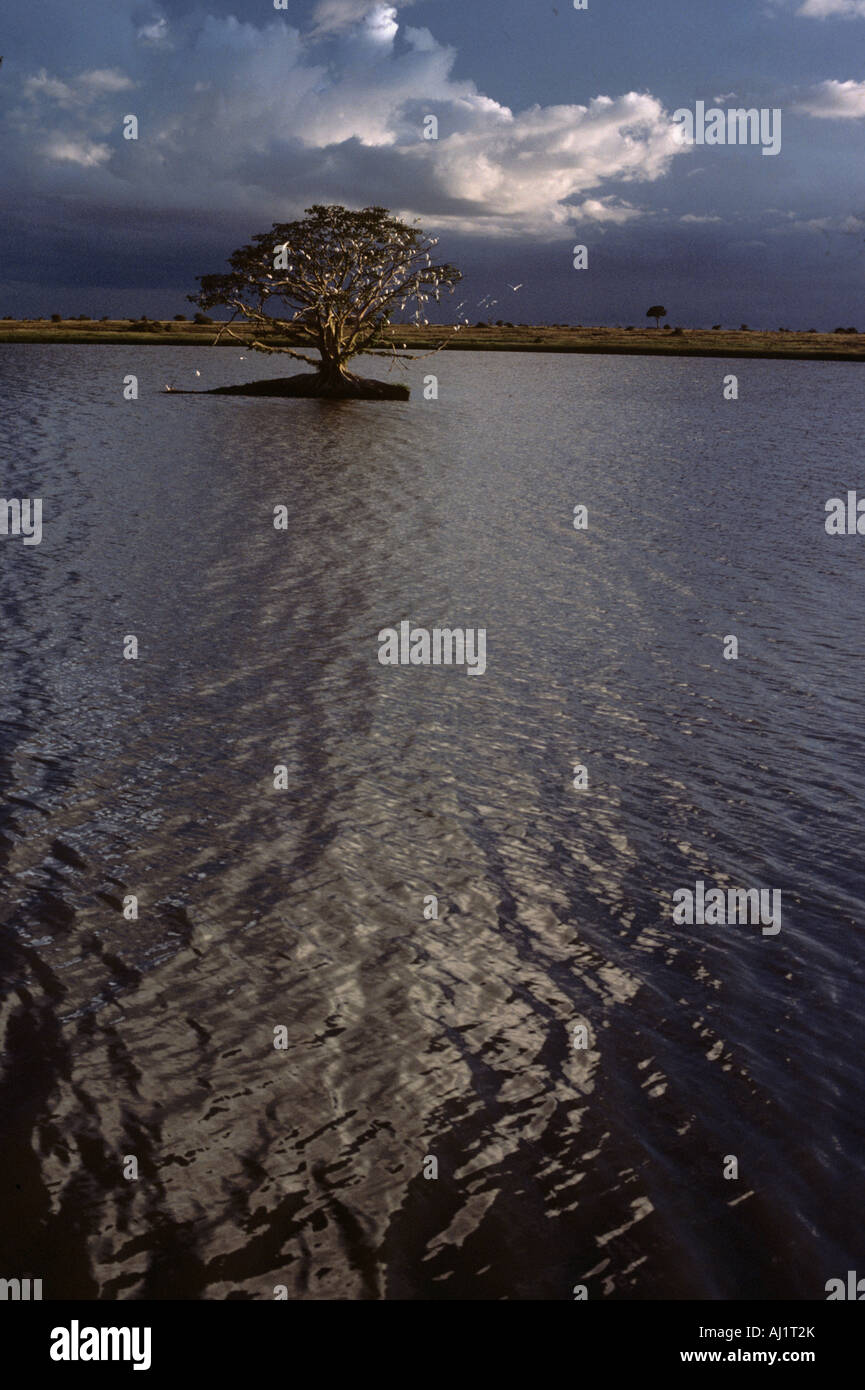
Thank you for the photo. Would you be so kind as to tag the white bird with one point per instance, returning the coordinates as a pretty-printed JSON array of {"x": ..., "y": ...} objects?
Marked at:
[
  {"x": 197, "y": 372},
  {"x": 516, "y": 287}
]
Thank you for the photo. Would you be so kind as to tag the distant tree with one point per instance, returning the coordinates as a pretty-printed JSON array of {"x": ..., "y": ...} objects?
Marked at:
[
  {"x": 180, "y": 318},
  {"x": 337, "y": 278},
  {"x": 56, "y": 318},
  {"x": 657, "y": 312},
  {"x": 202, "y": 318}
]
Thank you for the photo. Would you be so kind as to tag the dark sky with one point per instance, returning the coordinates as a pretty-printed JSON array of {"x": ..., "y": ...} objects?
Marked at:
[{"x": 554, "y": 128}]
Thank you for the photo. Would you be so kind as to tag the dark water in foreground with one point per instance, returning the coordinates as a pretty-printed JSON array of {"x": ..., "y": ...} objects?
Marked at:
[{"x": 304, "y": 908}]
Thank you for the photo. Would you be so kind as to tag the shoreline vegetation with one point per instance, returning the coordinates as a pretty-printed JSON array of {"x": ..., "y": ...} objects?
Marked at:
[{"x": 844, "y": 346}]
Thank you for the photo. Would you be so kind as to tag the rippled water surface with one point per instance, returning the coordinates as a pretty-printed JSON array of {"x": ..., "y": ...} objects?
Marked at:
[{"x": 303, "y": 908}]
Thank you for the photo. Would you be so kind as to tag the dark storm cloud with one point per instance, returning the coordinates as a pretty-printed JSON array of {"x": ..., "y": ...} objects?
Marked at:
[{"x": 247, "y": 115}]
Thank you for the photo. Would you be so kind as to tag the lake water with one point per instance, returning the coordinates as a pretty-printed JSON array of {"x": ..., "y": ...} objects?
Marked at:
[{"x": 409, "y": 1039}]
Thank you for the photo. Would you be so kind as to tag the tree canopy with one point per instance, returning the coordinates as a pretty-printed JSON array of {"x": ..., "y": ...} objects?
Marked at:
[{"x": 331, "y": 280}]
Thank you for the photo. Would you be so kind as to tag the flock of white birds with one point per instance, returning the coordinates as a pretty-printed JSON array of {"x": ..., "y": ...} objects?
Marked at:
[{"x": 486, "y": 303}]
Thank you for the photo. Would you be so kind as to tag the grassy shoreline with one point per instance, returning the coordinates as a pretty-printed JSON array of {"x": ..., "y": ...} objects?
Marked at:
[{"x": 640, "y": 341}]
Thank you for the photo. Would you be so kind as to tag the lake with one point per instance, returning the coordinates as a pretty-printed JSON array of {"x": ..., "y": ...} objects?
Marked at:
[{"x": 285, "y": 1073}]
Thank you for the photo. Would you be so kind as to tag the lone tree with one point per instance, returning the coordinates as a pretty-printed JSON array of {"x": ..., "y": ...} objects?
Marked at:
[
  {"x": 331, "y": 281},
  {"x": 657, "y": 312}
]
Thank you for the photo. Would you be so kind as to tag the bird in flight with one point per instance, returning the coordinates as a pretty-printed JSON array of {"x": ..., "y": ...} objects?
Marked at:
[{"x": 517, "y": 287}]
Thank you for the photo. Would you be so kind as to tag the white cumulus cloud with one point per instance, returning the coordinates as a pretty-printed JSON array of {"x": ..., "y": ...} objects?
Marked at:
[
  {"x": 89, "y": 154},
  {"x": 829, "y": 9},
  {"x": 269, "y": 117},
  {"x": 834, "y": 100},
  {"x": 41, "y": 85},
  {"x": 106, "y": 80},
  {"x": 155, "y": 33},
  {"x": 331, "y": 16}
]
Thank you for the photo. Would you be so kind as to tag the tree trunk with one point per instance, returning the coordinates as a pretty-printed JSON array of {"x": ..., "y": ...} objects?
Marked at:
[{"x": 333, "y": 378}]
